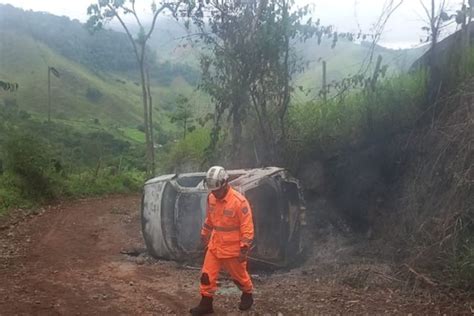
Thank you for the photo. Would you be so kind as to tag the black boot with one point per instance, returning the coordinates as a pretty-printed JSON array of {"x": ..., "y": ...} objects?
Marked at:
[
  {"x": 204, "y": 307},
  {"x": 246, "y": 301}
]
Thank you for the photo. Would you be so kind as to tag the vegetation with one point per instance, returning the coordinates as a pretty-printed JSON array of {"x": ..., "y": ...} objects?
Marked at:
[
  {"x": 42, "y": 161},
  {"x": 105, "y": 11},
  {"x": 251, "y": 64},
  {"x": 183, "y": 115},
  {"x": 105, "y": 51},
  {"x": 189, "y": 154},
  {"x": 8, "y": 86},
  {"x": 355, "y": 119}
]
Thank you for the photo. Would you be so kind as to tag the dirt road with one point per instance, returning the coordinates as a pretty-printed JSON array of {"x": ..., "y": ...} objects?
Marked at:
[{"x": 70, "y": 260}]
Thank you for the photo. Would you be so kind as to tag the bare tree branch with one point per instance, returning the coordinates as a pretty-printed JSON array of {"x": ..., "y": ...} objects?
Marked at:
[
  {"x": 130, "y": 37},
  {"x": 157, "y": 13},
  {"x": 133, "y": 12},
  {"x": 427, "y": 12},
  {"x": 390, "y": 7}
]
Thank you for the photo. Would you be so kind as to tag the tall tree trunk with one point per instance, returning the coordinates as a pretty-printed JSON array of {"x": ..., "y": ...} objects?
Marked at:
[
  {"x": 466, "y": 40},
  {"x": 434, "y": 75},
  {"x": 236, "y": 136},
  {"x": 286, "y": 76},
  {"x": 262, "y": 138},
  {"x": 185, "y": 123},
  {"x": 49, "y": 94},
  {"x": 145, "y": 118},
  {"x": 150, "y": 123},
  {"x": 468, "y": 27}
]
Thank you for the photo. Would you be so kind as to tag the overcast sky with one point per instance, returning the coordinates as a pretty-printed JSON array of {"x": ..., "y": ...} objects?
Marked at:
[{"x": 403, "y": 29}]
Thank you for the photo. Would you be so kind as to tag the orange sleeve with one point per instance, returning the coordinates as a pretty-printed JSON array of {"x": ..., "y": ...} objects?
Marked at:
[
  {"x": 246, "y": 225},
  {"x": 207, "y": 227}
]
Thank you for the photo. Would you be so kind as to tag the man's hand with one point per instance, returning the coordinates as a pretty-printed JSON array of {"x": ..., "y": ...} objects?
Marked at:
[{"x": 243, "y": 254}]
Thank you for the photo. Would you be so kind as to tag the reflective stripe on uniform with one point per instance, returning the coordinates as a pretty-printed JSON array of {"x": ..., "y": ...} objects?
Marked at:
[{"x": 226, "y": 228}]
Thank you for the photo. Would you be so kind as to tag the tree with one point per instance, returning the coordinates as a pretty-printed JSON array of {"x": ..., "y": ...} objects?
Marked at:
[
  {"x": 105, "y": 11},
  {"x": 183, "y": 115},
  {"x": 249, "y": 70},
  {"x": 436, "y": 18},
  {"x": 388, "y": 9},
  {"x": 464, "y": 18}
]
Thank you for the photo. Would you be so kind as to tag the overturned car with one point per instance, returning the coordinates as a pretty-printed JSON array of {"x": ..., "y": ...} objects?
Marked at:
[{"x": 174, "y": 209}]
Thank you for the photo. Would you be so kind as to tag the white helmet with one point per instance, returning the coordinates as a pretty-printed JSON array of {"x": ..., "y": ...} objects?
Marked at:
[{"x": 216, "y": 178}]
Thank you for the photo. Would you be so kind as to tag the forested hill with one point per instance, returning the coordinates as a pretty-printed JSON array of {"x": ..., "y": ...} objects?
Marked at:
[
  {"x": 98, "y": 72},
  {"x": 106, "y": 50},
  {"x": 110, "y": 51},
  {"x": 348, "y": 58}
]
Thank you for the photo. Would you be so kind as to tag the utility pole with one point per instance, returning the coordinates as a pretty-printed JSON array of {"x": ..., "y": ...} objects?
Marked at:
[
  {"x": 185, "y": 121},
  {"x": 375, "y": 77},
  {"x": 469, "y": 18},
  {"x": 56, "y": 74},
  {"x": 325, "y": 87},
  {"x": 49, "y": 94},
  {"x": 465, "y": 30}
]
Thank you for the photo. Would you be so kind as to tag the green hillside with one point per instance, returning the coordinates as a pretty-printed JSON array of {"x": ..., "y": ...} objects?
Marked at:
[
  {"x": 99, "y": 80},
  {"x": 346, "y": 59},
  {"x": 78, "y": 93}
]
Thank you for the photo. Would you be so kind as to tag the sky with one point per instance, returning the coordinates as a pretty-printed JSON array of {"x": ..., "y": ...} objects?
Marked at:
[{"x": 403, "y": 29}]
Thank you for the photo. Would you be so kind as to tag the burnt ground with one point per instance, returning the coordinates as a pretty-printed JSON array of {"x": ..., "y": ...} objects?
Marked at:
[{"x": 85, "y": 258}]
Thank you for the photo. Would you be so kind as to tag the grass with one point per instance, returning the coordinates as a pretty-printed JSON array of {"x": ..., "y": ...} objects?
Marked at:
[
  {"x": 39, "y": 165},
  {"x": 42, "y": 161},
  {"x": 25, "y": 61},
  {"x": 133, "y": 134},
  {"x": 337, "y": 124},
  {"x": 10, "y": 195},
  {"x": 87, "y": 184},
  {"x": 79, "y": 185},
  {"x": 119, "y": 103}
]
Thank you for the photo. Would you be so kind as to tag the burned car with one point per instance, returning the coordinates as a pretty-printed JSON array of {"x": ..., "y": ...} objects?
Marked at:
[{"x": 174, "y": 209}]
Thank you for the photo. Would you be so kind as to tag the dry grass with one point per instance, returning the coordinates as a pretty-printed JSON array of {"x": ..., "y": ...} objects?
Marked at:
[{"x": 435, "y": 217}]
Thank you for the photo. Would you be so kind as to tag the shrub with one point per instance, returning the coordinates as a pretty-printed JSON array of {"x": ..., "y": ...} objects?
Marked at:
[
  {"x": 88, "y": 184},
  {"x": 41, "y": 161},
  {"x": 10, "y": 194},
  {"x": 93, "y": 94},
  {"x": 30, "y": 161},
  {"x": 188, "y": 154},
  {"x": 360, "y": 117}
]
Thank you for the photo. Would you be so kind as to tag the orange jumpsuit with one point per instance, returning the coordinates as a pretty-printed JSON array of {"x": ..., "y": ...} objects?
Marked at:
[{"x": 228, "y": 227}]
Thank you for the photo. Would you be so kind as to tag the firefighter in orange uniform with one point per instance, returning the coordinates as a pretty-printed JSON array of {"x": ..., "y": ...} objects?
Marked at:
[{"x": 227, "y": 233}]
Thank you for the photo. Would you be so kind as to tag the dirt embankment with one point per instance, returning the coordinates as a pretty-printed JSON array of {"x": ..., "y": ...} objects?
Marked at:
[{"x": 71, "y": 259}]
